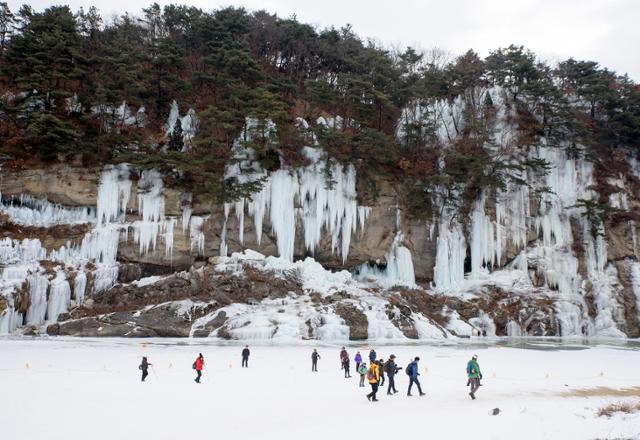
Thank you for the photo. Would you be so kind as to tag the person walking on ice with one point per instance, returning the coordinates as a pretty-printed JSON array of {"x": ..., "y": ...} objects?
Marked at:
[
  {"x": 144, "y": 366},
  {"x": 314, "y": 360},
  {"x": 362, "y": 370},
  {"x": 198, "y": 365},
  {"x": 391, "y": 369},
  {"x": 346, "y": 366},
  {"x": 373, "y": 375},
  {"x": 372, "y": 356},
  {"x": 358, "y": 361},
  {"x": 343, "y": 355},
  {"x": 412, "y": 371},
  {"x": 381, "y": 368},
  {"x": 474, "y": 375},
  {"x": 245, "y": 357}
]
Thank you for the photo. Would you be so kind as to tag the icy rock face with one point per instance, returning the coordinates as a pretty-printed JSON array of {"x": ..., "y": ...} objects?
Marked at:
[
  {"x": 575, "y": 282},
  {"x": 497, "y": 244},
  {"x": 293, "y": 317},
  {"x": 321, "y": 197},
  {"x": 399, "y": 269},
  {"x": 47, "y": 280}
]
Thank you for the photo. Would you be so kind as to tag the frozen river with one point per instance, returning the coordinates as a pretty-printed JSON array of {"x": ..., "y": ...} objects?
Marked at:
[{"x": 87, "y": 388}]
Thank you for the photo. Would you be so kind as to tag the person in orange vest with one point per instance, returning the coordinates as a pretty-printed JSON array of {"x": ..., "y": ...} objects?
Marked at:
[
  {"x": 198, "y": 365},
  {"x": 373, "y": 376}
]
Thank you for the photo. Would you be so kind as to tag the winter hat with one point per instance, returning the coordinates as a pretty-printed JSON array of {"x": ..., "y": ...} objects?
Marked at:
[
  {"x": 393, "y": 356},
  {"x": 474, "y": 357}
]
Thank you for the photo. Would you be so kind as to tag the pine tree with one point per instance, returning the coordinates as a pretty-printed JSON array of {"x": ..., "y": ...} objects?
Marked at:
[{"x": 176, "y": 138}]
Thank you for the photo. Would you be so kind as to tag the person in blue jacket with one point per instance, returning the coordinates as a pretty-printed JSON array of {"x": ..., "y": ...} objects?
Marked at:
[
  {"x": 412, "y": 371},
  {"x": 372, "y": 355}
]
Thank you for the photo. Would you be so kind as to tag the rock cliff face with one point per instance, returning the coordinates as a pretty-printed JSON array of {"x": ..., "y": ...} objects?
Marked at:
[{"x": 79, "y": 246}]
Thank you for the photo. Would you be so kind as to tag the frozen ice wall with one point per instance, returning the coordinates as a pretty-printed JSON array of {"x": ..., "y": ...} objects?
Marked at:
[
  {"x": 52, "y": 286},
  {"x": 319, "y": 197}
]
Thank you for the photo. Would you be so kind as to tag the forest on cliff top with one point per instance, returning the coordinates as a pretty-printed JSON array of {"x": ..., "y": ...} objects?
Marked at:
[{"x": 65, "y": 75}]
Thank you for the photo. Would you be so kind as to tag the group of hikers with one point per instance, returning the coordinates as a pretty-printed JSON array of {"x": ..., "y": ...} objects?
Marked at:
[
  {"x": 375, "y": 373},
  {"x": 378, "y": 370}
]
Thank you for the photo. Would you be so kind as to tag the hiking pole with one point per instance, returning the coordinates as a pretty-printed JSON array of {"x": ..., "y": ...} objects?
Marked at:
[{"x": 207, "y": 374}]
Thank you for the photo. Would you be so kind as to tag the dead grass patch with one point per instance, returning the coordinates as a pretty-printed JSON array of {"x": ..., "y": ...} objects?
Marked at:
[
  {"x": 603, "y": 392},
  {"x": 622, "y": 407}
]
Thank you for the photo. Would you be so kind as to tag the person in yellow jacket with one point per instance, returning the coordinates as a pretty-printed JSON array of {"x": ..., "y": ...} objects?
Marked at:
[{"x": 373, "y": 376}]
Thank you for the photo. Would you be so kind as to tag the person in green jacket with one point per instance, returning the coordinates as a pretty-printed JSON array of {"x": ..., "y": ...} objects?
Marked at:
[
  {"x": 362, "y": 370},
  {"x": 474, "y": 375}
]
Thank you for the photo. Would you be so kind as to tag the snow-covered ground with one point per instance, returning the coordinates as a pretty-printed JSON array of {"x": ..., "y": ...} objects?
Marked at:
[{"x": 72, "y": 389}]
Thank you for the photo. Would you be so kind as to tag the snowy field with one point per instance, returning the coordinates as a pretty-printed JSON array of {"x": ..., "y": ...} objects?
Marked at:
[{"x": 90, "y": 389}]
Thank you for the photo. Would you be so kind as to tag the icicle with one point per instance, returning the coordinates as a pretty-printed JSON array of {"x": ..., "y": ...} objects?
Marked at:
[
  {"x": 59, "y": 297},
  {"x": 196, "y": 233},
  {"x": 399, "y": 269},
  {"x": 448, "y": 272},
  {"x": 283, "y": 223},
  {"x": 29, "y": 211},
  {"x": 482, "y": 238},
  {"x": 113, "y": 194},
  {"x": 79, "y": 286}
]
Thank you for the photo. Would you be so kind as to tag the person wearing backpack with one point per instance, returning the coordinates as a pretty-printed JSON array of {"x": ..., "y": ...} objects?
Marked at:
[
  {"x": 245, "y": 357},
  {"x": 198, "y": 365},
  {"x": 144, "y": 366},
  {"x": 314, "y": 360},
  {"x": 474, "y": 375},
  {"x": 362, "y": 370},
  {"x": 373, "y": 376},
  {"x": 391, "y": 369},
  {"x": 358, "y": 360},
  {"x": 343, "y": 355},
  {"x": 346, "y": 367},
  {"x": 381, "y": 368},
  {"x": 412, "y": 372},
  {"x": 372, "y": 356}
]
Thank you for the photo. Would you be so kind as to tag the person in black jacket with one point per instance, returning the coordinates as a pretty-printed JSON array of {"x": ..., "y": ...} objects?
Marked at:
[
  {"x": 245, "y": 357},
  {"x": 144, "y": 366},
  {"x": 391, "y": 369},
  {"x": 346, "y": 366},
  {"x": 314, "y": 360}
]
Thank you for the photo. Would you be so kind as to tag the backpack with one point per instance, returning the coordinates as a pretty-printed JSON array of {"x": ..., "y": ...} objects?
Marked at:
[
  {"x": 194, "y": 366},
  {"x": 408, "y": 370},
  {"x": 371, "y": 375}
]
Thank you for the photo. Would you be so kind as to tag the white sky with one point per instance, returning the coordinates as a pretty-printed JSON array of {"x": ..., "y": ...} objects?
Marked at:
[{"x": 606, "y": 31}]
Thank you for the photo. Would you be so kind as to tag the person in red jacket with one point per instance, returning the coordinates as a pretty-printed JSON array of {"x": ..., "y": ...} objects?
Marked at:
[{"x": 198, "y": 365}]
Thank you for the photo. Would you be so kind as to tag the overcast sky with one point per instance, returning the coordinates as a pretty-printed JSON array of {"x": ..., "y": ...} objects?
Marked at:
[{"x": 606, "y": 31}]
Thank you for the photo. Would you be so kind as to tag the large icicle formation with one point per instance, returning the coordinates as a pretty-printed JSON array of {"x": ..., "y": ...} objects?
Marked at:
[
  {"x": 321, "y": 196},
  {"x": 50, "y": 288},
  {"x": 50, "y": 294},
  {"x": 540, "y": 244}
]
